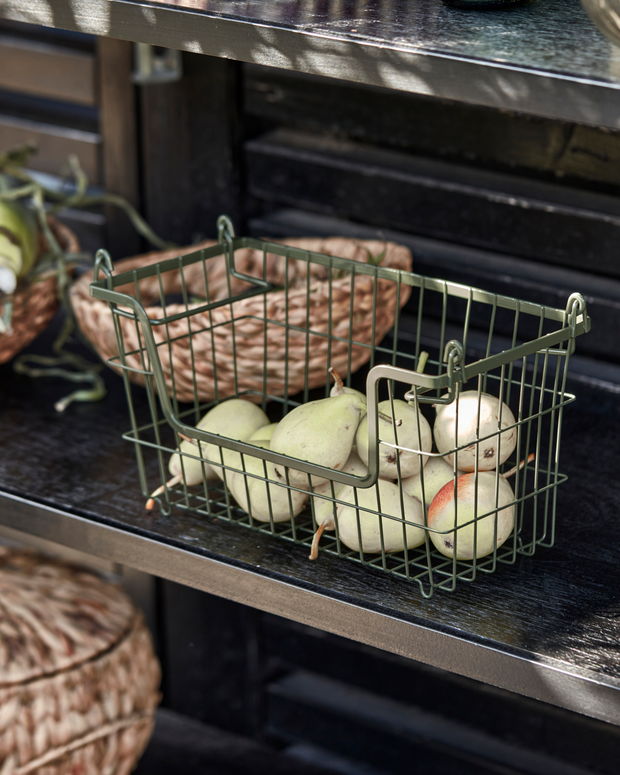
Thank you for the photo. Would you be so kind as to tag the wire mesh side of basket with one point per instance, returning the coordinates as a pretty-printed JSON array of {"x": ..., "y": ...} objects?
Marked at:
[{"x": 478, "y": 341}]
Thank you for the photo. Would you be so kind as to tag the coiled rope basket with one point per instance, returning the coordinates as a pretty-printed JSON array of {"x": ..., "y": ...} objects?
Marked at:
[
  {"x": 36, "y": 301},
  {"x": 78, "y": 676},
  {"x": 193, "y": 362}
]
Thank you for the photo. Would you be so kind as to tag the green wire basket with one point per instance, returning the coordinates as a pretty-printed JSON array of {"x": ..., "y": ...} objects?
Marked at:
[{"x": 477, "y": 343}]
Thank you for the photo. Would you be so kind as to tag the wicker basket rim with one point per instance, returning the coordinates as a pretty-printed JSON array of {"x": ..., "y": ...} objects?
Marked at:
[{"x": 392, "y": 250}]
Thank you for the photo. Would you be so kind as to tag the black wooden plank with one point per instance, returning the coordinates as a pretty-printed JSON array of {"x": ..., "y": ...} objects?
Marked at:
[
  {"x": 190, "y": 132},
  {"x": 382, "y": 733},
  {"x": 182, "y": 744},
  {"x": 387, "y": 189},
  {"x": 506, "y": 275},
  {"x": 541, "y": 58},
  {"x": 471, "y": 134},
  {"x": 552, "y": 612},
  {"x": 211, "y": 648},
  {"x": 119, "y": 131}
]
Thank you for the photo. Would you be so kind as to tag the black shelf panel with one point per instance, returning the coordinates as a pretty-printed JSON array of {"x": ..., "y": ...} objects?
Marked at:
[{"x": 544, "y": 57}]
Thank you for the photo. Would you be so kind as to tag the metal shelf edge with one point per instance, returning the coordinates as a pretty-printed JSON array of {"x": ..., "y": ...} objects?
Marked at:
[
  {"x": 584, "y": 692},
  {"x": 375, "y": 63}
]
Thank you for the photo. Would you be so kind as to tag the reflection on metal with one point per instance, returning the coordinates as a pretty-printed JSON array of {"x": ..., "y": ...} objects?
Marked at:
[
  {"x": 151, "y": 66},
  {"x": 606, "y": 15},
  {"x": 543, "y": 58}
]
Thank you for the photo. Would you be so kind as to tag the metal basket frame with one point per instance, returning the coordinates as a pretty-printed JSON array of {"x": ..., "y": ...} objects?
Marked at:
[{"x": 538, "y": 414}]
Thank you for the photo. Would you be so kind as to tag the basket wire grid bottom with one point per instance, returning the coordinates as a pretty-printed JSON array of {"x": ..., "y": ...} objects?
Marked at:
[
  {"x": 440, "y": 573},
  {"x": 424, "y": 565}
]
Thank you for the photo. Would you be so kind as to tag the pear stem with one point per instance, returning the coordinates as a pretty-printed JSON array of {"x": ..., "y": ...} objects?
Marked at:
[
  {"x": 314, "y": 551},
  {"x": 187, "y": 438},
  {"x": 387, "y": 418},
  {"x": 514, "y": 470},
  {"x": 151, "y": 501},
  {"x": 338, "y": 380}
]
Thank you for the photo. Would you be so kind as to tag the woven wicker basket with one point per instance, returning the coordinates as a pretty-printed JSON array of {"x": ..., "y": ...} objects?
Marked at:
[
  {"x": 209, "y": 351},
  {"x": 34, "y": 304},
  {"x": 78, "y": 677}
]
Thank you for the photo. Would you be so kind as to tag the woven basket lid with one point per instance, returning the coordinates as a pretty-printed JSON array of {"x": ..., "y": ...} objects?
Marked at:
[{"x": 54, "y": 616}]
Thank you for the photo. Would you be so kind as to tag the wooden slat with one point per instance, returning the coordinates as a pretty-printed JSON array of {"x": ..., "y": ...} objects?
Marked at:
[
  {"x": 45, "y": 70},
  {"x": 471, "y": 134},
  {"x": 120, "y": 141},
  {"x": 55, "y": 143},
  {"x": 552, "y": 223},
  {"x": 190, "y": 148}
]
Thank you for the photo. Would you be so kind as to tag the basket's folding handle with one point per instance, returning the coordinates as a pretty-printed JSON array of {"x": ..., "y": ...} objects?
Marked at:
[
  {"x": 103, "y": 261},
  {"x": 420, "y": 381},
  {"x": 575, "y": 307},
  {"x": 454, "y": 356},
  {"x": 225, "y": 230},
  {"x": 226, "y": 236}
]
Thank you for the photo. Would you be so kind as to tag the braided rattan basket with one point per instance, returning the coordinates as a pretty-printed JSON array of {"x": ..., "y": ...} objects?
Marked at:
[
  {"x": 78, "y": 676},
  {"x": 194, "y": 359},
  {"x": 34, "y": 303}
]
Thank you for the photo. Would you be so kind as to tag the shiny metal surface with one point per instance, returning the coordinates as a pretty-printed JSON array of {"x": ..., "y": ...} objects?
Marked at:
[
  {"x": 544, "y": 57},
  {"x": 606, "y": 15}
]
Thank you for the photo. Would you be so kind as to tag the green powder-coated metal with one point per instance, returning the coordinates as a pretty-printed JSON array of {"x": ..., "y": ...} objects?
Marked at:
[{"x": 515, "y": 350}]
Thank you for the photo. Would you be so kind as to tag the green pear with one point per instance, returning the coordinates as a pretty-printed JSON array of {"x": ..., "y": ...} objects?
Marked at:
[
  {"x": 262, "y": 500},
  {"x": 264, "y": 433},
  {"x": 407, "y": 434},
  {"x": 236, "y": 419},
  {"x": 233, "y": 419},
  {"x": 407, "y": 529},
  {"x": 323, "y": 508},
  {"x": 460, "y": 423},
  {"x": 320, "y": 432},
  {"x": 481, "y": 537},
  {"x": 231, "y": 459},
  {"x": 436, "y": 473}
]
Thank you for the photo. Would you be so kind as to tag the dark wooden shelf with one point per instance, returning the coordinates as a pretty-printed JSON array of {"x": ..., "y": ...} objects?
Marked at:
[
  {"x": 547, "y": 627},
  {"x": 544, "y": 57}
]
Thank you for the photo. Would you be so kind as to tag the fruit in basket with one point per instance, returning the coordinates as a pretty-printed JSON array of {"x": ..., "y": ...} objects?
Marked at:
[
  {"x": 407, "y": 529},
  {"x": 263, "y": 501},
  {"x": 411, "y": 430},
  {"x": 324, "y": 508},
  {"x": 414, "y": 428},
  {"x": 264, "y": 433},
  {"x": 19, "y": 242},
  {"x": 468, "y": 418},
  {"x": 320, "y": 432},
  {"x": 480, "y": 537},
  {"x": 236, "y": 419},
  {"x": 338, "y": 388},
  {"x": 436, "y": 473}
]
